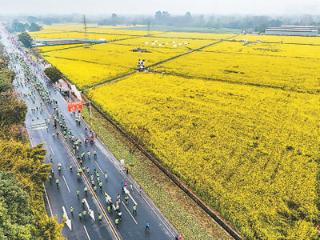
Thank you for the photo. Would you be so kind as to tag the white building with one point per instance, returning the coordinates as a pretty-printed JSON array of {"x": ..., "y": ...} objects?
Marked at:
[{"x": 290, "y": 30}]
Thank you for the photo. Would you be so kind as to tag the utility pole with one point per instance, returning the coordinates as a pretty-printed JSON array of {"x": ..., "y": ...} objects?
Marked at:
[
  {"x": 85, "y": 26},
  {"x": 86, "y": 45}
]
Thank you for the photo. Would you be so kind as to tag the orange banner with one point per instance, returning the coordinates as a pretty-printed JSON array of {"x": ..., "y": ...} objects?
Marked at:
[{"x": 75, "y": 106}]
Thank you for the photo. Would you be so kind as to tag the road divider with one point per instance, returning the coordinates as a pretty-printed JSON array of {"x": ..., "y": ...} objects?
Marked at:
[{"x": 65, "y": 181}]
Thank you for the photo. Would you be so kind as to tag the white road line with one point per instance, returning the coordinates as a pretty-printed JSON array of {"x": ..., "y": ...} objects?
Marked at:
[
  {"x": 98, "y": 166},
  {"x": 64, "y": 179},
  {"x": 130, "y": 213},
  {"x": 85, "y": 229},
  {"x": 38, "y": 128},
  {"x": 129, "y": 194},
  {"x": 47, "y": 198},
  {"x": 51, "y": 150}
]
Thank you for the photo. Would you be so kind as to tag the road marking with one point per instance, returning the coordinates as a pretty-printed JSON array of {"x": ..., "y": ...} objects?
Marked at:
[
  {"x": 47, "y": 198},
  {"x": 39, "y": 124},
  {"x": 64, "y": 179},
  {"x": 98, "y": 166},
  {"x": 68, "y": 220},
  {"x": 51, "y": 150},
  {"x": 38, "y": 128},
  {"x": 129, "y": 194},
  {"x": 130, "y": 213},
  {"x": 85, "y": 229},
  {"x": 91, "y": 212},
  {"x": 107, "y": 197}
]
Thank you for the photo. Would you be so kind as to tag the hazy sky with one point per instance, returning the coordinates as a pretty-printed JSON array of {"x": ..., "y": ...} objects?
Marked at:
[{"x": 150, "y": 6}]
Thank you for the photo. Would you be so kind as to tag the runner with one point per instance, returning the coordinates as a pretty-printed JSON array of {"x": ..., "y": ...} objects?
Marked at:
[
  {"x": 134, "y": 210},
  {"x": 147, "y": 228},
  {"x": 57, "y": 183},
  {"x": 99, "y": 217},
  {"x": 71, "y": 211},
  {"x": 59, "y": 167},
  {"x": 78, "y": 193}
]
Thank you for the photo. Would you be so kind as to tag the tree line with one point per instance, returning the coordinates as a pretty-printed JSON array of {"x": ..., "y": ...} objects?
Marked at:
[
  {"x": 21, "y": 26},
  {"x": 164, "y": 18},
  {"x": 251, "y": 23}
]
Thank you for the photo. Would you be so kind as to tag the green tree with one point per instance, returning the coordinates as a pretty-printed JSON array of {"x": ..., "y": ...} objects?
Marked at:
[
  {"x": 15, "y": 212},
  {"x": 12, "y": 110},
  {"x": 6, "y": 77},
  {"x": 17, "y": 26},
  {"x": 53, "y": 73},
  {"x": 30, "y": 172},
  {"x": 26, "y": 39},
  {"x": 34, "y": 27}
]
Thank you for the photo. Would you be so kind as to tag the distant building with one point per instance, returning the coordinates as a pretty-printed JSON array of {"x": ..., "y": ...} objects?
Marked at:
[{"x": 290, "y": 30}]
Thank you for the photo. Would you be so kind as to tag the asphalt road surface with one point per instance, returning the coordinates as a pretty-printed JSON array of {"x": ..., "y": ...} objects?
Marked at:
[{"x": 61, "y": 197}]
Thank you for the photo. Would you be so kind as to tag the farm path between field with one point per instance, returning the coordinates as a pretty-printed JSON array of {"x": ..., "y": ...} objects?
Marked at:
[{"x": 124, "y": 75}]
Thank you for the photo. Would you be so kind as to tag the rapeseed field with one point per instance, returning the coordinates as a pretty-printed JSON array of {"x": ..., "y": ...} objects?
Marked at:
[
  {"x": 260, "y": 68},
  {"x": 249, "y": 152}
]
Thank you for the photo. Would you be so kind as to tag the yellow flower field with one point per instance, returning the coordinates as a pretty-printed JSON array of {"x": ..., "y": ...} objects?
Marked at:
[
  {"x": 250, "y": 152},
  {"x": 58, "y": 47},
  {"x": 279, "y": 39},
  {"x": 95, "y": 36},
  {"x": 267, "y": 49},
  {"x": 171, "y": 43},
  {"x": 103, "y": 61},
  {"x": 192, "y": 35},
  {"x": 84, "y": 73},
  {"x": 290, "y": 72},
  {"x": 117, "y": 58}
]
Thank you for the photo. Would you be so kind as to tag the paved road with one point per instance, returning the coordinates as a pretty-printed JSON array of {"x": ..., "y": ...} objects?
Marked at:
[{"x": 60, "y": 199}]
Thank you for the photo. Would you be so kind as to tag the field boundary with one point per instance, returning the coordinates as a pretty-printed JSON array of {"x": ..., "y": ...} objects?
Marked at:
[{"x": 156, "y": 161}]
